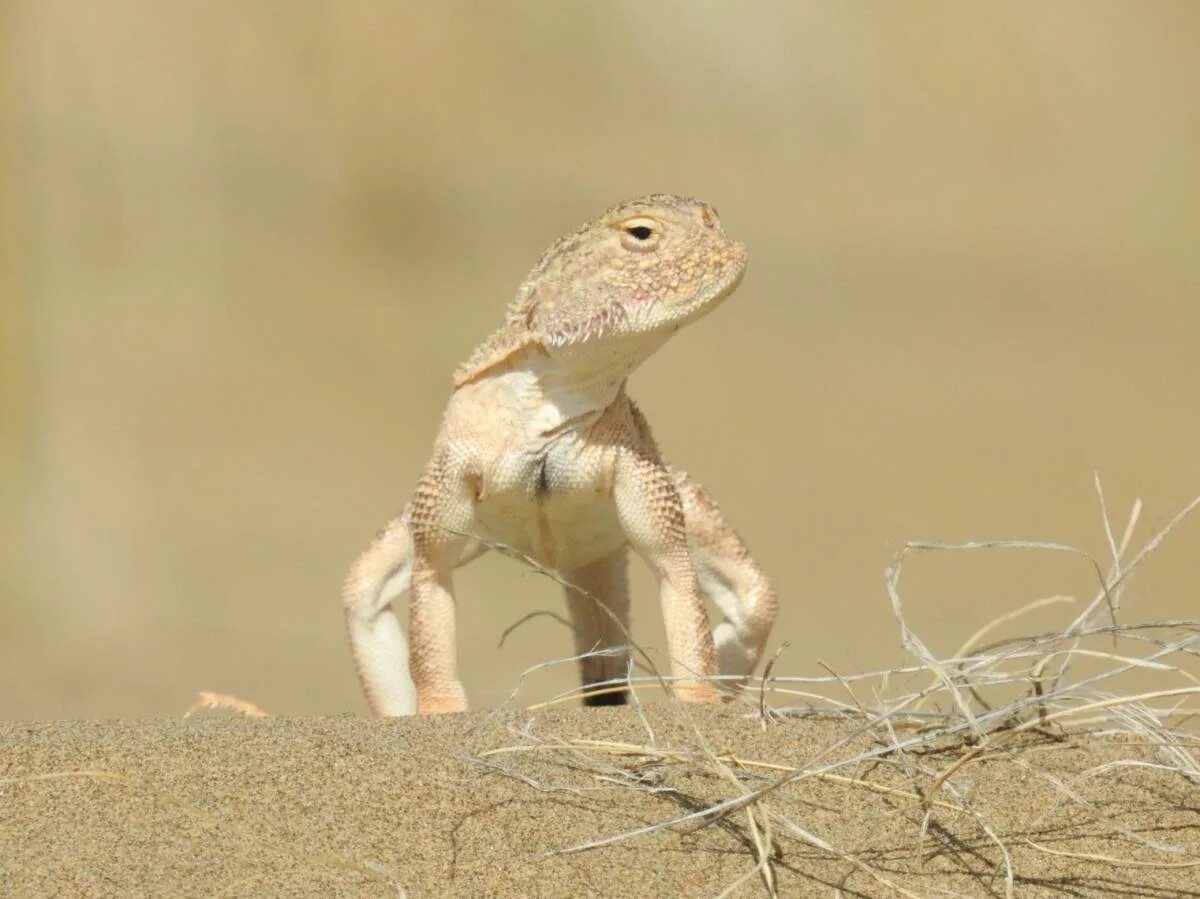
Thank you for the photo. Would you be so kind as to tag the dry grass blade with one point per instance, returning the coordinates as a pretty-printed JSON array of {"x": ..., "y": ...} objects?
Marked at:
[
  {"x": 1111, "y": 860},
  {"x": 766, "y": 679},
  {"x": 1123, "y": 575},
  {"x": 801, "y": 834},
  {"x": 540, "y": 613},
  {"x": 682, "y": 757},
  {"x": 1006, "y": 618},
  {"x": 533, "y": 669}
]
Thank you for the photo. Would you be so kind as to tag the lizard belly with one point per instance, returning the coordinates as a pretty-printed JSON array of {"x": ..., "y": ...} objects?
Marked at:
[{"x": 561, "y": 516}]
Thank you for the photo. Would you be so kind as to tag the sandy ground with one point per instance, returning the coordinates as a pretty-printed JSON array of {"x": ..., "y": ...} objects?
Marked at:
[{"x": 355, "y": 807}]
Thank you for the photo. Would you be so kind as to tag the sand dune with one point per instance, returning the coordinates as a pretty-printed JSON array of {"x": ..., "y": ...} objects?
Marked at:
[{"x": 347, "y": 806}]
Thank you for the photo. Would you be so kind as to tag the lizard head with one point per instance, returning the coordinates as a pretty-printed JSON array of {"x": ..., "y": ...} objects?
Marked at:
[
  {"x": 645, "y": 267},
  {"x": 609, "y": 294}
]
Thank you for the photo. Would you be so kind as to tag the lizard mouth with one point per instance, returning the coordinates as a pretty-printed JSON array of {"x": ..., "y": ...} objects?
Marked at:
[
  {"x": 733, "y": 272},
  {"x": 644, "y": 312},
  {"x": 653, "y": 312},
  {"x": 731, "y": 282}
]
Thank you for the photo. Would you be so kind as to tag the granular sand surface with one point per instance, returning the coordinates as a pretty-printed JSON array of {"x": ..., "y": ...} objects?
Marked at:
[{"x": 355, "y": 807}]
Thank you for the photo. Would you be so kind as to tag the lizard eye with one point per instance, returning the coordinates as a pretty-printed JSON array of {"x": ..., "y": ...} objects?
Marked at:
[{"x": 640, "y": 234}]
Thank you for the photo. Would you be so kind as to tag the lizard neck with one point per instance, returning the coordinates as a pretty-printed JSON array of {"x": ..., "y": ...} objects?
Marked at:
[
  {"x": 550, "y": 392},
  {"x": 566, "y": 391}
]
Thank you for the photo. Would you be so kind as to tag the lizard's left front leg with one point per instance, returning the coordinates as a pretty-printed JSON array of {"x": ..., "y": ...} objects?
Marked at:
[{"x": 651, "y": 516}]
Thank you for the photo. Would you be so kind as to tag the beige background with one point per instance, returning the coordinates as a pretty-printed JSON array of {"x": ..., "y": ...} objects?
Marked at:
[{"x": 244, "y": 245}]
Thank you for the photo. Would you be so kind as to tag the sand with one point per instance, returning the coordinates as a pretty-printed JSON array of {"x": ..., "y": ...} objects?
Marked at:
[{"x": 354, "y": 807}]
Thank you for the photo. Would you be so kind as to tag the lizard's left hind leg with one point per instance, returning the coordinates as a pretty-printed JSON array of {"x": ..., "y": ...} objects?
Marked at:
[{"x": 730, "y": 578}]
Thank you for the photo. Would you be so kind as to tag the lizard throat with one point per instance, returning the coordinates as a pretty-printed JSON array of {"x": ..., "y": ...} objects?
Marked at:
[{"x": 569, "y": 387}]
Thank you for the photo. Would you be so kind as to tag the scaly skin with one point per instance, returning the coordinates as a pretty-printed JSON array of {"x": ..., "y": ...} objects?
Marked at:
[{"x": 541, "y": 450}]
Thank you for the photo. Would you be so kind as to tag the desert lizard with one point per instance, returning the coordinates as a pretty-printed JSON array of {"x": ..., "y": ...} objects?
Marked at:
[{"x": 541, "y": 450}]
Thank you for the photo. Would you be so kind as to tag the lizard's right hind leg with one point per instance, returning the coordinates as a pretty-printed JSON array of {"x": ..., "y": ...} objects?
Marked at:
[{"x": 377, "y": 579}]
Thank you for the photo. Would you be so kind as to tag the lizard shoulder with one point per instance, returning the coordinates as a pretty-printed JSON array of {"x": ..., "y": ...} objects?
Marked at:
[
  {"x": 500, "y": 346},
  {"x": 623, "y": 424}
]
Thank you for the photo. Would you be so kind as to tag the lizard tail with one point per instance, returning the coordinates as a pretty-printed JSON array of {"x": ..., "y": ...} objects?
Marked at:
[{"x": 378, "y": 577}]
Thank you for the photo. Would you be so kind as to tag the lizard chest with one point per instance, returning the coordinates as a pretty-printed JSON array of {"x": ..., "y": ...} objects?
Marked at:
[{"x": 553, "y": 503}]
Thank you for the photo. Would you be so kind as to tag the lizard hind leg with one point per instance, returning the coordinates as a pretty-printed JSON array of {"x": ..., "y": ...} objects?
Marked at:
[
  {"x": 599, "y": 606},
  {"x": 382, "y": 574},
  {"x": 729, "y": 578},
  {"x": 378, "y": 578},
  {"x": 747, "y": 605}
]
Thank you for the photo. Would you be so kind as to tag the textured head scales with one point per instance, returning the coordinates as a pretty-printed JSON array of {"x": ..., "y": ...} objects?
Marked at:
[{"x": 646, "y": 266}]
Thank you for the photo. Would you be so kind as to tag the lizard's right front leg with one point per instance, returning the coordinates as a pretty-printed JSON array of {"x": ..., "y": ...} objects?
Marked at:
[
  {"x": 442, "y": 512},
  {"x": 433, "y": 657}
]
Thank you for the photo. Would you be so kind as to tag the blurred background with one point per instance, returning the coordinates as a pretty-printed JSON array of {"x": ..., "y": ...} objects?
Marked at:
[{"x": 243, "y": 246}]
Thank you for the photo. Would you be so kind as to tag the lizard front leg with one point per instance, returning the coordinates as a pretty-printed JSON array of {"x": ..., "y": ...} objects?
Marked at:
[
  {"x": 651, "y": 515},
  {"x": 441, "y": 513}
]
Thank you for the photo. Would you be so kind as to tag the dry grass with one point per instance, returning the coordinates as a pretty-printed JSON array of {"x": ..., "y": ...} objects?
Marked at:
[{"x": 1005, "y": 702}]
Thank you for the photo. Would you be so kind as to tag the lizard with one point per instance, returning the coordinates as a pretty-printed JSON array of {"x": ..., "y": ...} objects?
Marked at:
[{"x": 542, "y": 451}]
